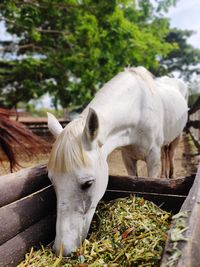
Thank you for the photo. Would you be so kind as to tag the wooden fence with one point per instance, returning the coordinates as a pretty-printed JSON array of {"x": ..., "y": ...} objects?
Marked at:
[
  {"x": 28, "y": 206},
  {"x": 40, "y": 126},
  {"x": 193, "y": 124},
  {"x": 27, "y": 213}
]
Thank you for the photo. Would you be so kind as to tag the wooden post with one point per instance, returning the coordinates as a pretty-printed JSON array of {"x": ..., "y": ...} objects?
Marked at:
[
  {"x": 22, "y": 183},
  {"x": 187, "y": 246}
]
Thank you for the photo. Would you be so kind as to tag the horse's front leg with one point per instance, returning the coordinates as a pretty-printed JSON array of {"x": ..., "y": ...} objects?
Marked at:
[
  {"x": 153, "y": 162},
  {"x": 130, "y": 163}
]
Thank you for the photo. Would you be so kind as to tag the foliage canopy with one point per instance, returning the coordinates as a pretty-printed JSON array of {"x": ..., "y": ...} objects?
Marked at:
[{"x": 70, "y": 48}]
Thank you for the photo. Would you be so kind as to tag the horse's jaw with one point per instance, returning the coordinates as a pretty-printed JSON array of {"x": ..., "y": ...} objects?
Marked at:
[{"x": 71, "y": 230}]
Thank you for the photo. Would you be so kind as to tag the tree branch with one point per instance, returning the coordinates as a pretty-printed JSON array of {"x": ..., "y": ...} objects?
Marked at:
[
  {"x": 15, "y": 47},
  {"x": 43, "y": 5},
  {"x": 49, "y": 30}
]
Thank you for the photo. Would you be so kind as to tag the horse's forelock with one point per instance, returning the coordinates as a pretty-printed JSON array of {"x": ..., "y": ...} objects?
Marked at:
[{"x": 68, "y": 152}]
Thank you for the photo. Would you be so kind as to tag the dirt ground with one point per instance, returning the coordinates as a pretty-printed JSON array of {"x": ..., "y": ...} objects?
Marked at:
[{"x": 186, "y": 161}]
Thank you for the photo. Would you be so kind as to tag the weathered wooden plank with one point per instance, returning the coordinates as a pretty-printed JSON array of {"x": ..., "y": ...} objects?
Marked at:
[
  {"x": 195, "y": 107},
  {"x": 22, "y": 183},
  {"x": 187, "y": 244},
  {"x": 180, "y": 186},
  {"x": 195, "y": 140},
  {"x": 167, "y": 192},
  {"x": 19, "y": 215},
  {"x": 26, "y": 181},
  {"x": 193, "y": 123},
  {"x": 36, "y": 122},
  {"x": 40, "y": 126},
  {"x": 13, "y": 251}
]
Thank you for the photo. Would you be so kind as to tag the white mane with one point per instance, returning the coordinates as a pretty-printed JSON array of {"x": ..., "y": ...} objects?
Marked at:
[
  {"x": 68, "y": 152},
  {"x": 144, "y": 74}
]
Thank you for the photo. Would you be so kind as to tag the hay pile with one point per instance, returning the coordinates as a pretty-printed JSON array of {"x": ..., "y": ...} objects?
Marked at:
[{"x": 124, "y": 232}]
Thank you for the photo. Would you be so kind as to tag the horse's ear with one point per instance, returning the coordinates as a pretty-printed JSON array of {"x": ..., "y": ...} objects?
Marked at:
[
  {"x": 91, "y": 129},
  {"x": 53, "y": 124}
]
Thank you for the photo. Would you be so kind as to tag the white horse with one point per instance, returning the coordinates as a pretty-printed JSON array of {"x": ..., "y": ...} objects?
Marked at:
[{"x": 130, "y": 111}]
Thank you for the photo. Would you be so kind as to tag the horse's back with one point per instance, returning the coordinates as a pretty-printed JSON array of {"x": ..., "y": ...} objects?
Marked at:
[
  {"x": 176, "y": 84},
  {"x": 119, "y": 100},
  {"x": 134, "y": 98}
]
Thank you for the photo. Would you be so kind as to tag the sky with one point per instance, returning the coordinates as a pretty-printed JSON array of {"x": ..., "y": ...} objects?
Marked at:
[{"x": 186, "y": 16}]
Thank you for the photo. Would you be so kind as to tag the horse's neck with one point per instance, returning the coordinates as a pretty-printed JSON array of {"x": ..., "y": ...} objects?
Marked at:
[
  {"x": 121, "y": 138},
  {"x": 112, "y": 133},
  {"x": 119, "y": 108},
  {"x": 116, "y": 123}
]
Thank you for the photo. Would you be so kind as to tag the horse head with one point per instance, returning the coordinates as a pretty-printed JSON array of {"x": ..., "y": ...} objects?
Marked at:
[{"x": 79, "y": 173}]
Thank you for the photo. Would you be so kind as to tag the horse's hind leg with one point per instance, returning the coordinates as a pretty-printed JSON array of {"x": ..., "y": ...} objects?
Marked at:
[
  {"x": 129, "y": 162},
  {"x": 164, "y": 162},
  {"x": 172, "y": 148}
]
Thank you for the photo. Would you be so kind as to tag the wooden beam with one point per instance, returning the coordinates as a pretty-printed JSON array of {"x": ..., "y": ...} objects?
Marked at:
[
  {"x": 195, "y": 106},
  {"x": 188, "y": 242},
  {"x": 22, "y": 183},
  {"x": 179, "y": 186},
  {"x": 19, "y": 215},
  {"x": 27, "y": 181},
  {"x": 14, "y": 250},
  {"x": 195, "y": 140},
  {"x": 193, "y": 123},
  {"x": 39, "y": 126}
]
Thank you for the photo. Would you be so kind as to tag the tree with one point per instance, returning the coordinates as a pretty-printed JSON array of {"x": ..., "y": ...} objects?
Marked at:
[
  {"x": 71, "y": 47},
  {"x": 185, "y": 59}
]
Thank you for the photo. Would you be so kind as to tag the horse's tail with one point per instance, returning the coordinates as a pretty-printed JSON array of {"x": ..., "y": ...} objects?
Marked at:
[{"x": 15, "y": 139}]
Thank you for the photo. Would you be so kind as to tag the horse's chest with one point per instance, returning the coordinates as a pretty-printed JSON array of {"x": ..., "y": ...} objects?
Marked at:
[
  {"x": 139, "y": 152},
  {"x": 136, "y": 152},
  {"x": 141, "y": 145},
  {"x": 143, "y": 140}
]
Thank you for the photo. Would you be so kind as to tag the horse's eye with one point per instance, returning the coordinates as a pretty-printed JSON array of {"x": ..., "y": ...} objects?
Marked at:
[{"x": 87, "y": 184}]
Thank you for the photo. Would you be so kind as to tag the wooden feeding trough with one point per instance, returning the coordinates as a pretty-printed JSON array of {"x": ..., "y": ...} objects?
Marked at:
[{"x": 28, "y": 202}]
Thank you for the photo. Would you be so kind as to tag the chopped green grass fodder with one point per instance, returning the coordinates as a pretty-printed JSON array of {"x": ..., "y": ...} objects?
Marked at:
[{"x": 124, "y": 232}]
